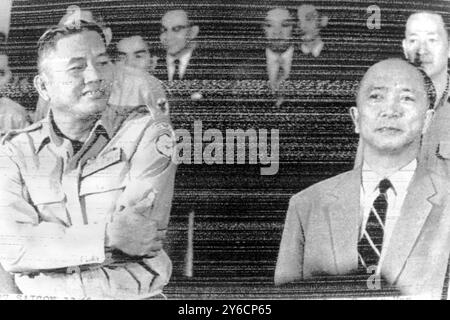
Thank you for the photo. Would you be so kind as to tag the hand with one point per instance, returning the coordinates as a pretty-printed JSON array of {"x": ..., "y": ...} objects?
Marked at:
[{"x": 133, "y": 233}]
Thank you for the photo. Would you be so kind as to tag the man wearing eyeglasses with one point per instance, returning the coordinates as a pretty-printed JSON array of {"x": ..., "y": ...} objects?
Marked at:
[
  {"x": 178, "y": 35},
  {"x": 85, "y": 194}
]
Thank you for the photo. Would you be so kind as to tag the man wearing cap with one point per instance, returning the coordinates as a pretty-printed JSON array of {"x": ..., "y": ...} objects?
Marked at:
[
  {"x": 85, "y": 194},
  {"x": 389, "y": 217}
]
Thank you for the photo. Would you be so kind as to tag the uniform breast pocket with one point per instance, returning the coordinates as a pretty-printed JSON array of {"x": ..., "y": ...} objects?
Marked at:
[
  {"x": 101, "y": 189},
  {"x": 51, "y": 206}
]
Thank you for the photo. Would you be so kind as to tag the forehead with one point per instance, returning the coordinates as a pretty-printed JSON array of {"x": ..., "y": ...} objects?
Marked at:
[
  {"x": 393, "y": 75},
  {"x": 174, "y": 18},
  {"x": 80, "y": 44},
  {"x": 306, "y": 11},
  {"x": 131, "y": 44},
  {"x": 86, "y": 44},
  {"x": 278, "y": 15},
  {"x": 425, "y": 23}
]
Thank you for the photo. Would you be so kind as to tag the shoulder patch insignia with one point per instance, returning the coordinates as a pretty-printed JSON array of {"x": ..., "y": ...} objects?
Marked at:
[
  {"x": 165, "y": 145},
  {"x": 163, "y": 105},
  {"x": 160, "y": 126}
]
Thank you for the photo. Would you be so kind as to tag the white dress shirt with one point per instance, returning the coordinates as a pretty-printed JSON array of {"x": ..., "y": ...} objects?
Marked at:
[
  {"x": 400, "y": 181},
  {"x": 275, "y": 61},
  {"x": 184, "y": 61}
]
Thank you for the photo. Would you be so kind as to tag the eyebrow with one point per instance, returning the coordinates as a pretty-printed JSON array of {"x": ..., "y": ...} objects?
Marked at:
[
  {"x": 82, "y": 59},
  {"x": 372, "y": 88},
  {"x": 76, "y": 60},
  {"x": 140, "y": 51}
]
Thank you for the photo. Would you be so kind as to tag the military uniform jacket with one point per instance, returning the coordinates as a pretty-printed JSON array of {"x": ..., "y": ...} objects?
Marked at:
[{"x": 54, "y": 205}]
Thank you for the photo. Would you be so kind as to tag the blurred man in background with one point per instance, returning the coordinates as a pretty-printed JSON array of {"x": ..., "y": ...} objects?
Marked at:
[
  {"x": 12, "y": 114},
  {"x": 134, "y": 52}
]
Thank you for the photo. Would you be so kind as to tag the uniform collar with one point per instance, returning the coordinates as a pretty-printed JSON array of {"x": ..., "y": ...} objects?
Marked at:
[{"x": 51, "y": 133}]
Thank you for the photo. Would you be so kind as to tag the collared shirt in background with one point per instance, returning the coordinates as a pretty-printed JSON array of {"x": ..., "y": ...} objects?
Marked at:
[
  {"x": 184, "y": 61},
  {"x": 276, "y": 61}
]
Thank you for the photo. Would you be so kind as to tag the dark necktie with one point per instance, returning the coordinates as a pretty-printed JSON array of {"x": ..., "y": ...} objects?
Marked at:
[
  {"x": 176, "y": 74},
  {"x": 369, "y": 247}
]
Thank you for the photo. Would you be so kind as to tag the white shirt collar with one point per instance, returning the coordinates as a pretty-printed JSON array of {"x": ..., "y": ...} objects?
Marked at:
[
  {"x": 286, "y": 56},
  {"x": 184, "y": 58},
  {"x": 400, "y": 180}
]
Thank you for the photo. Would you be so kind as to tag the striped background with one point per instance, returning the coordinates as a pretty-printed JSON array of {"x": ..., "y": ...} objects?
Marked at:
[{"x": 239, "y": 213}]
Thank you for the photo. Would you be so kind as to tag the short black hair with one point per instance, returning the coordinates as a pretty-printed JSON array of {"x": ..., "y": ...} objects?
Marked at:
[{"x": 51, "y": 36}]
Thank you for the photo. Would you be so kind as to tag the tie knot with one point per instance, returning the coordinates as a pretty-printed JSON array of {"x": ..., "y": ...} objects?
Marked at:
[
  {"x": 176, "y": 62},
  {"x": 384, "y": 185}
]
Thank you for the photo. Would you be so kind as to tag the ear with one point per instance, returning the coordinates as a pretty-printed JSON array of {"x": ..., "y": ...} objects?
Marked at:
[
  {"x": 324, "y": 21},
  {"x": 194, "y": 32},
  {"x": 40, "y": 85},
  {"x": 449, "y": 48},
  {"x": 108, "y": 35},
  {"x": 428, "y": 118},
  {"x": 404, "y": 49},
  {"x": 354, "y": 113}
]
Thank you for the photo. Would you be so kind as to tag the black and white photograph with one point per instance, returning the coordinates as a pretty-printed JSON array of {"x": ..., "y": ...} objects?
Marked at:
[{"x": 251, "y": 150}]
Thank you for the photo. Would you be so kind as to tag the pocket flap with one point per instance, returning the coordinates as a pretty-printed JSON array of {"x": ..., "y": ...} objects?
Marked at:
[{"x": 444, "y": 150}]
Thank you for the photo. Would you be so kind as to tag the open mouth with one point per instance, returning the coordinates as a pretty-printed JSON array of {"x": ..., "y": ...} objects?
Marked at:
[{"x": 94, "y": 94}]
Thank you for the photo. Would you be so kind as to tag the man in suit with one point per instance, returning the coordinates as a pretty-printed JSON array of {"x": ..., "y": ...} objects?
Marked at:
[
  {"x": 178, "y": 38},
  {"x": 389, "y": 217},
  {"x": 278, "y": 27}
]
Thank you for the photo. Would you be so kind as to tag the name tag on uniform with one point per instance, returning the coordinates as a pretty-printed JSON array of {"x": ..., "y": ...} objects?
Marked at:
[{"x": 105, "y": 160}]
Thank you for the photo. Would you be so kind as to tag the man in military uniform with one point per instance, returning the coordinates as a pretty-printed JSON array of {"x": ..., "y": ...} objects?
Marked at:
[{"x": 85, "y": 194}]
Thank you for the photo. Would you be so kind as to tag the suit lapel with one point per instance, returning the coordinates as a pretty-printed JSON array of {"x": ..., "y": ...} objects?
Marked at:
[
  {"x": 343, "y": 206},
  {"x": 419, "y": 201}
]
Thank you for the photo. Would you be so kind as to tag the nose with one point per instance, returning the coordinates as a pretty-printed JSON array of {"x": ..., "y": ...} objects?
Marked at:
[
  {"x": 131, "y": 62},
  {"x": 392, "y": 108},
  {"x": 422, "y": 48},
  {"x": 91, "y": 74},
  {"x": 277, "y": 32}
]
